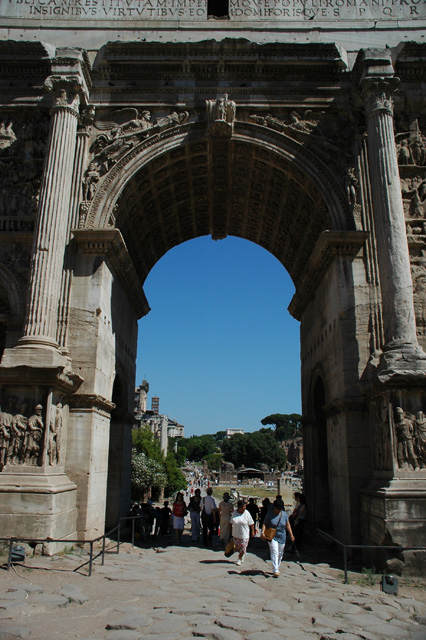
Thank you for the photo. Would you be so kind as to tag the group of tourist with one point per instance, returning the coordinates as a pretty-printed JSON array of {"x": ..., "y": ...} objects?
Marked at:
[{"x": 240, "y": 523}]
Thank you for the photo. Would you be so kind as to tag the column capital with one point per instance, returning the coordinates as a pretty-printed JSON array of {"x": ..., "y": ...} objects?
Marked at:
[
  {"x": 66, "y": 92},
  {"x": 377, "y": 93}
]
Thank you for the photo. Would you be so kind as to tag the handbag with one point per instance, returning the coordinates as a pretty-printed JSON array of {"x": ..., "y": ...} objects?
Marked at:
[
  {"x": 271, "y": 531},
  {"x": 230, "y": 548}
]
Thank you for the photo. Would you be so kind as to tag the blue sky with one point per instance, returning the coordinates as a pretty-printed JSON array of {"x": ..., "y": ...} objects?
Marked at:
[{"x": 219, "y": 347}]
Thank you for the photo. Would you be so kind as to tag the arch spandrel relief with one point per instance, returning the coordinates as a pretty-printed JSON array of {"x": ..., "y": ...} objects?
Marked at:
[{"x": 166, "y": 166}]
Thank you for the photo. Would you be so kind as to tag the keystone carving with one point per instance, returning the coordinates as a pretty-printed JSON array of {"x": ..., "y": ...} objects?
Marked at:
[{"x": 221, "y": 116}]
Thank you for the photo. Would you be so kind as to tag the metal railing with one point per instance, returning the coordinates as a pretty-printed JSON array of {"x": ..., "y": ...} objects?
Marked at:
[
  {"x": 346, "y": 547},
  {"x": 66, "y": 541}
]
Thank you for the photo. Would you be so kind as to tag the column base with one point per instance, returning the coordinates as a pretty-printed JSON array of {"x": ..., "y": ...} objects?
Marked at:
[
  {"x": 393, "y": 513},
  {"x": 37, "y": 505},
  {"x": 401, "y": 362},
  {"x": 35, "y": 355}
]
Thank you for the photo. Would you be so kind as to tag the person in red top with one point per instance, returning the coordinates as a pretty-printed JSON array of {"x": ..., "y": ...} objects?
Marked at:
[{"x": 178, "y": 514}]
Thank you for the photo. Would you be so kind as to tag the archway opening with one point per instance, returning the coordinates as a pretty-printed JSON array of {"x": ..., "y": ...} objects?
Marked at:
[{"x": 219, "y": 347}]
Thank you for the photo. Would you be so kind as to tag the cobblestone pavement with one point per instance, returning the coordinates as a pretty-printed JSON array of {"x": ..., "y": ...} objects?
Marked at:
[{"x": 182, "y": 592}]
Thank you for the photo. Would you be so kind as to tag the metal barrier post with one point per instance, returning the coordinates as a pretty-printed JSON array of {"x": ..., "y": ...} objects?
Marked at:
[
  {"x": 118, "y": 537},
  {"x": 345, "y": 563},
  {"x": 133, "y": 532},
  {"x": 9, "y": 561},
  {"x": 91, "y": 558},
  {"x": 103, "y": 550}
]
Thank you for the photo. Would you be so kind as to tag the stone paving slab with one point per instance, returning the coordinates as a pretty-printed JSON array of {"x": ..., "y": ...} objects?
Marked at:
[{"x": 186, "y": 592}]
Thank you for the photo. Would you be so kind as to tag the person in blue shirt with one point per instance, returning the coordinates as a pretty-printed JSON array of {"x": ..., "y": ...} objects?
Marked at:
[{"x": 278, "y": 519}]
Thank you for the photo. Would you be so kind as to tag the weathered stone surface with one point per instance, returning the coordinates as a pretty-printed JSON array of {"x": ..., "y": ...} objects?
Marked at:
[
  {"x": 135, "y": 621},
  {"x": 74, "y": 593},
  {"x": 14, "y": 633},
  {"x": 239, "y": 624},
  {"x": 218, "y": 633}
]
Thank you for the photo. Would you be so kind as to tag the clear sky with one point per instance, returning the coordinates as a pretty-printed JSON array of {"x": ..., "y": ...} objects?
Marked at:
[{"x": 219, "y": 347}]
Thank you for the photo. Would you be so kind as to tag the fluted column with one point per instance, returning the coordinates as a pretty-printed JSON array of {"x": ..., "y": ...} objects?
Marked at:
[
  {"x": 392, "y": 248},
  {"x": 76, "y": 198},
  {"x": 53, "y": 213}
]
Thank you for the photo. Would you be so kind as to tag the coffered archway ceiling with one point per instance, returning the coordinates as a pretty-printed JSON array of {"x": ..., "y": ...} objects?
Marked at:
[{"x": 220, "y": 188}]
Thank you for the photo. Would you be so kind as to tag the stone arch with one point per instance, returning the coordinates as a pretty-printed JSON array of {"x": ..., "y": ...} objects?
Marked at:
[{"x": 163, "y": 182}]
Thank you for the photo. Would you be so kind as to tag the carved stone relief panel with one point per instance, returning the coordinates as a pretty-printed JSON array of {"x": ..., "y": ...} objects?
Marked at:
[
  {"x": 23, "y": 139},
  {"x": 398, "y": 432},
  {"x": 29, "y": 438},
  {"x": 409, "y": 431}
]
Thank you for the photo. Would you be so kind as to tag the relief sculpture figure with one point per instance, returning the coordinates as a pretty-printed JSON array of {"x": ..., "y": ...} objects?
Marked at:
[
  {"x": 55, "y": 435},
  {"x": 16, "y": 446},
  {"x": 420, "y": 437},
  {"x": 4, "y": 441},
  {"x": 404, "y": 433},
  {"x": 5, "y": 435},
  {"x": 34, "y": 436},
  {"x": 90, "y": 181}
]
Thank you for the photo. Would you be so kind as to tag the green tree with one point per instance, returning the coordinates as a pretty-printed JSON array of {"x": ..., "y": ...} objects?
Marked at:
[
  {"x": 234, "y": 449},
  {"x": 198, "y": 447},
  {"x": 150, "y": 468},
  {"x": 144, "y": 441},
  {"x": 175, "y": 479},
  {"x": 214, "y": 461},
  {"x": 286, "y": 425},
  {"x": 181, "y": 456},
  {"x": 253, "y": 449},
  {"x": 146, "y": 473},
  {"x": 263, "y": 448}
]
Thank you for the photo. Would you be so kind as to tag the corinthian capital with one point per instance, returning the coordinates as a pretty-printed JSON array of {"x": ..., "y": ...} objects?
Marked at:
[
  {"x": 66, "y": 92},
  {"x": 377, "y": 94}
]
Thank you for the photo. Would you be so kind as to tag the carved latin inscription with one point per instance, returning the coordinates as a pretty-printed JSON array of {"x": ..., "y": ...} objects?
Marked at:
[{"x": 239, "y": 10}]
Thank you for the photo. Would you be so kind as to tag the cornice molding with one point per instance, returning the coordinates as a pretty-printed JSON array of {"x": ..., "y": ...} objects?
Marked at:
[
  {"x": 90, "y": 402},
  {"x": 110, "y": 243},
  {"x": 330, "y": 245}
]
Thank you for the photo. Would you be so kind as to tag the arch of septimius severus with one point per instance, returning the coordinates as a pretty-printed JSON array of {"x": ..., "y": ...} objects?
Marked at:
[{"x": 130, "y": 126}]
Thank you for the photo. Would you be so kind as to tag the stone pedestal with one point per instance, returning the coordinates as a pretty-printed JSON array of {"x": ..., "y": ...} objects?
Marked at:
[{"x": 37, "y": 505}]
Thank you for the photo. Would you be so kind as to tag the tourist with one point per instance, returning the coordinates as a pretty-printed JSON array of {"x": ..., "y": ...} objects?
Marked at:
[
  {"x": 264, "y": 510},
  {"x": 194, "y": 508},
  {"x": 165, "y": 512},
  {"x": 241, "y": 527},
  {"x": 253, "y": 510},
  {"x": 178, "y": 514},
  {"x": 299, "y": 521},
  {"x": 208, "y": 517},
  {"x": 278, "y": 520},
  {"x": 224, "y": 512}
]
